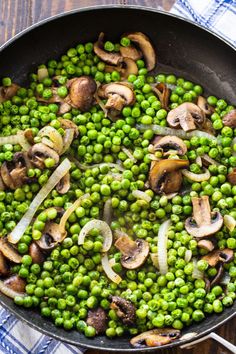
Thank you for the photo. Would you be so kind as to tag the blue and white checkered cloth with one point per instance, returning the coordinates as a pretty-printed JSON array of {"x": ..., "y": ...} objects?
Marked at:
[{"x": 15, "y": 336}]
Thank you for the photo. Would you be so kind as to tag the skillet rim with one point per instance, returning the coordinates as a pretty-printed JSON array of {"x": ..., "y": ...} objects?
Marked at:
[{"x": 87, "y": 9}]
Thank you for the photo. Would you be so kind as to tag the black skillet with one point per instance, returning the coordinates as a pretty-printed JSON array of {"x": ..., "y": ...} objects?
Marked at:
[{"x": 182, "y": 47}]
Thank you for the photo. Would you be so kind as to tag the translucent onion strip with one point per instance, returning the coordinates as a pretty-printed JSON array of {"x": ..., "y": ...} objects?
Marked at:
[
  {"x": 18, "y": 138},
  {"x": 129, "y": 154},
  {"x": 141, "y": 195},
  {"x": 197, "y": 177},
  {"x": 109, "y": 271},
  {"x": 22, "y": 225},
  {"x": 162, "y": 246},
  {"x": 103, "y": 227}
]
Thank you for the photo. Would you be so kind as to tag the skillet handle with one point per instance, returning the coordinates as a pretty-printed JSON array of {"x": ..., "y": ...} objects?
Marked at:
[{"x": 214, "y": 336}]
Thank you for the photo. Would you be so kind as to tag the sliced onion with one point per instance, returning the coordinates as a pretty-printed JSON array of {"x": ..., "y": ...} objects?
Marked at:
[
  {"x": 152, "y": 157},
  {"x": 118, "y": 233},
  {"x": 154, "y": 258},
  {"x": 197, "y": 274},
  {"x": 141, "y": 195},
  {"x": 112, "y": 262},
  {"x": 23, "y": 141},
  {"x": 8, "y": 291},
  {"x": 162, "y": 246},
  {"x": 89, "y": 167},
  {"x": 101, "y": 226},
  {"x": 42, "y": 74},
  {"x": 151, "y": 149},
  {"x": 188, "y": 336},
  {"x": 197, "y": 177},
  {"x": 225, "y": 279},
  {"x": 171, "y": 195},
  {"x": 22, "y": 225},
  {"x": 54, "y": 137},
  {"x": 199, "y": 161},
  {"x": 157, "y": 129},
  {"x": 232, "y": 146},
  {"x": 67, "y": 139},
  {"x": 107, "y": 211},
  {"x": 18, "y": 138},
  {"x": 188, "y": 256},
  {"x": 210, "y": 160},
  {"x": 69, "y": 211},
  {"x": 116, "y": 176},
  {"x": 129, "y": 154},
  {"x": 229, "y": 222},
  {"x": 109, "y": 271}
]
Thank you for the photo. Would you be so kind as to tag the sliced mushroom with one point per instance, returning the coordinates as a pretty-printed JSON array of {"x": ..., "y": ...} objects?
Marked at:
[
  {"x": 9, "y": 251},
  {"x": 134, "y": 253},
  {"x": 68, "y": 124},
  {"x": 131, "y": 52},
  {"x": 206, "y": 245},
  {"x": 115, "y": 102},
  {"x": 213, "y": 258},
  {"x": 36, "y": 253},
  {"x": 107, "y": 57},
  {"x": 168, "y": 143},
  {"x": 28, "y": 134},
  {"x": 51, "y": 236},
  {"x": 4, "y": 268},
  {"x": 97, "y": 318},
  {"x": 207, "y": 127},
  {"x": 125, "y": 310},
  {"x": 129, "y": 67},
  {"x": 15, "y": 283},
  {"x": 81, "y": 91},
  {"x": 2, "y": 185},
  {"x": 155, "y": 337},
  {"x": 160, "y": 178},
  {"x": 218, "y": 277},
  {"x": 64, "y": 108},
  {"x": 231, "y": 177},
  {"x": 204, "y": 105},
  {"x": 7, "y": 92},
  {"x": 204, "y": 222},
  {"x": 163, "y": 93},
  {"x": 13, "y": 174},
  {"x": 230, "y": 119},
  {"x": 64, "y": 185},
  {"x": 146, "y": 47},
  {"x": 54, "y": 99},
  {"x": 38, "y": 153},
  {"x": 187, "y": 115}
]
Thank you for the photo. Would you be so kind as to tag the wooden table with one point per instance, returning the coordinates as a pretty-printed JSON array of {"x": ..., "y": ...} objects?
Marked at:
[{"x": 16, "y": 15}]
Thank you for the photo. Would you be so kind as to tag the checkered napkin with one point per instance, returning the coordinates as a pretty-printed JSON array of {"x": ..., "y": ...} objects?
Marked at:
[{"x": 15, "y": 336}]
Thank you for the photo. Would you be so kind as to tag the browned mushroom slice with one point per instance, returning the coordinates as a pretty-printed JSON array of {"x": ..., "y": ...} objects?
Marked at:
[
  {"x": 129, "y": 67},
  {"x": 134, "y": 253},
  {"x": 159, "y": 172},
  {"x": 163, "y": 93},
  {"x": 146, "y": 47},
  {"x": 107, "y": 57},
  {"x": 231, "y": 177},
  {"x": 68, "y": 124},
  {"x": 115, "y": 102},
  {"x": 51, "y": 236},
  {"x": 2, "y": 185},
  {"x": 125, "y": 310},
  {"x": 28, "y": 134},
  {"x": 64, "y": 185},
  {"x": 15, "y": 283},
  {"x": 230, "y": 119},
  {"x": 155, "y": 337},
  {"x": 54, "y": 99},
  {"x": 213, "y": 258},
  {"x": 206, "y": 245},
  {"x": 187, "y": 115},
  {"x": 7, "y": 92},
  {"x": 36, "y": 253},
  {"x": 204, "y": 222},
  {"x": 11, "y": 175},
  {"x": 4, "y": 268},
  {"x": 168, "y": 143},
  {"x": 131, "y": 52},
  {"x": 38, "y": 153},
  {"x": 64, "y": 108},
  {"x": 204, "y": 105},
  {"x": 172, "y": 182},
  {"x": 207, "y": 127},
  {"x": 81, "y": 91},
  {"x": 218, "y": 277},
  {"x": 97, "y": 318},
  {"x": 9, "y": 251}
]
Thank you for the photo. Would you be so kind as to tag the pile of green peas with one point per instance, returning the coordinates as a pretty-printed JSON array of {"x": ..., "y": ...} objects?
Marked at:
[{"x": 71, "y": 281}]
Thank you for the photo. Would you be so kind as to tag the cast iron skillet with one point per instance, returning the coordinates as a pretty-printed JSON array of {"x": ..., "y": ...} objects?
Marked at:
[{"x": 182, "y": 48}]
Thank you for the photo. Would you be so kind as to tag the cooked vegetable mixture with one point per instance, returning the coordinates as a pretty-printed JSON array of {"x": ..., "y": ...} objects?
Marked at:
[{"x": 117, "y": 194}]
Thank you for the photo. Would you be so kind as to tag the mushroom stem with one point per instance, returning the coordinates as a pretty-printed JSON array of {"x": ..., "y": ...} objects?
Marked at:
[
  {"x": 201, "y": 210},
  {"x": 126, "y": 245}
]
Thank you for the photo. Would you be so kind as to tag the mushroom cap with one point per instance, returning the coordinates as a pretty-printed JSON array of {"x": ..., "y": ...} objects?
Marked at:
[
  {"x": 146, "y": 47},
  {"x": 169, "y": 142},
  {"x": 204, "y": 222},
  {"x": 187, "y": 115},
  {"x": 125, "y": 310},
  {"x": 4, "y": 268},
  {"x": 97, "y": 318},
  {"x": 163, "y": 94},
  {"x": 9, "y": 251},
  {"x": 131, "y": 52},
  {"x": 155, "y": 337},
  {"x": 51, "y": 236},
  {"x": 119, "y": 88},
  {"x": 63, "y": 185},
  {"x": 159, "y": 171},
  {"x": 40, "y": 152},
  {"x": 107, "y": 57},
  {"x": 81, "y": 91},
  {"x": 13, "y": 173},
  {"x": 213, "y": 258},
  {"x": 15, "y": 283},
  {"x": 230, "y": 119},
  {"x": 36, "y": 253},
  {"x": 137, "y": 257}
]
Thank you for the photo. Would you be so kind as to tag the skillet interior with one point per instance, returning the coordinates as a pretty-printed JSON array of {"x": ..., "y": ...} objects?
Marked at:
[{"x": 182, "y": 48}]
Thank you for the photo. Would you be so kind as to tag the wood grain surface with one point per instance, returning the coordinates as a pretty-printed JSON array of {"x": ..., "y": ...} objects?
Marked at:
[{"x": 16, "y": 15}]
